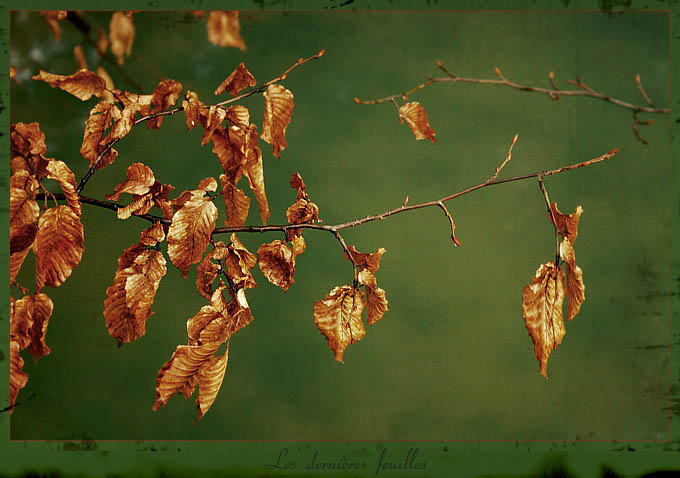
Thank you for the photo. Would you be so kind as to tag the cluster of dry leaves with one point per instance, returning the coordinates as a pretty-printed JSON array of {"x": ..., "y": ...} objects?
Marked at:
[{"x": 185, "y": 227}]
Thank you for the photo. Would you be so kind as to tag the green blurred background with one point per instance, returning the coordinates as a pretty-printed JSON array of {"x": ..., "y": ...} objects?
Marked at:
[{"x": 452, "y": 359}]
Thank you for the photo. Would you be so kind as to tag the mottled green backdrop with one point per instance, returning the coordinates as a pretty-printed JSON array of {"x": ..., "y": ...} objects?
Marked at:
[{"x": 452, "y": 359}]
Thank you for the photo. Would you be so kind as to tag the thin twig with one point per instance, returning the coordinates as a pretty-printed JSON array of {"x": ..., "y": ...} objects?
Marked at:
[
  {"x": 584, "y": 90},
  {"x": 455, "y": 240},
  {"x": 552, "y": 218},
  {"x": 508, "y": 157},
  {"x": 635, "y": 125},
  {"x": 642, "y": 90},
  {"x": 349, "y": 256}
]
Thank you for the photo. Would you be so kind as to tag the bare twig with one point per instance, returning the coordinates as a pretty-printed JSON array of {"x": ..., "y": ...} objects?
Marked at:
[
  {"x": 635, "y": 125},
  {"x": 349, "y": 256},
  {"x": 552, "y": 218},
  {"x": 455, "y": 240},
  {"x": 642, "y": 90},
  {"x": 508, "y": 157},
  {"x": 584, "y": 90}
]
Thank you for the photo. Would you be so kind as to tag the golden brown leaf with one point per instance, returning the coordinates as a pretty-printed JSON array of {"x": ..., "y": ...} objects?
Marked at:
[
  {"x": 164, "y": 96},
  {"x": 23, "y": 208},
  {"x": 27, "y": 139},
  {"x": 211, "y": 120},
  {"x": 576, "y": 289},
  {"x": 207, "y": 271},
  {"x": 17, "y": 377},
  {"x": 416, "y": 118},
  {"x": 278, "y": 109},
  {"x": 236, "y": 81},
  {"x": 192, "y": 107},
  {"x": 302, "y": 212},
  {"x": 239, "y": 261},
  {"x": 83, "y": 84},
  {"x": 211, "y": 325},
  {"x": 128, "y": 301},
  {"x": 28, "y": 323},
  {"x": 210, "y": 377},
  {"x": 370, "y": 261},
  {"x": 79, "y": 56},
  {"x": 121, "y": 35},
  {"x": 338, "y": 317},
  {"x": 567, "y": 224},
  {"x": 375, "y": 297},
  {"x": 542, "y": 303},
  {"x": 139, "y": 205},
  {"x": 277, "y": 263},
  {"x": 139, "y": 179},
  {"x": 96, "y": 125},
  {"x": 152, "y": 235},
  {"x": 16, "y": 260},
  {"x": 298, "y": 245},
  {"x": 239, "y": 116},
  {"x": 255, "y": 173},
  {"x": 22, "y": 237},
  {"x": 58, "y": 246},
  {"x": 190, "y": 231},
  {"x": 52, "y": 17},
  {"x": 104, "y": 75},
  {"x": 60, "y": 172},
  {"x": 236, "y": 203},
  {"x": 224, "y": 30}
]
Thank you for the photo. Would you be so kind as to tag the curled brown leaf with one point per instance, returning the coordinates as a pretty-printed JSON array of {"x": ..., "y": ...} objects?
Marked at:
[
  {"x": 416, "y": 118},
  {"x": 370, "y": 261},
  {"x": 277, "y": 263},
  {"x": 83, "y": 84},
  {"x": 576, "y": 289},
  {"x": 237, "y": 81},
  {"x": 164, "y": 96},
  {"x": 375, "y": 297},
  {"x": 338, "y": 318},
  {"x": 58, "y": 246},
  {"x": 278, "y": 110}
]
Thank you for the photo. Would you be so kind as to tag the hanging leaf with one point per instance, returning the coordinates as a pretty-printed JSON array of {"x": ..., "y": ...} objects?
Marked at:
[
  {"x": 28, "y": 323},
  {"x": 58, "y": 246},
  {"x": 375, "y": 297},
  {"x": 542, "y": 303},
  {"x": 96, "y": 125},
  {"x": 190, "y": 231},
  {"x": 255, "y": 172},
  {"x": 210, "y": 378},
  {"x": 27, "y": 139},
  {"x": 224, "y": 30},
  {"x": 278, "y": 110},
  {"x": 576, "y": 289},
  {"x": 567, "y": 224},
  {"x": 139, "y": 179},
  {"x": 60, "y": 172},
  {"x": 83, "y": 84},
  {"x": 211, "y": 120},
  {"x": 192, "y": 106},
  {"x": 240, "y": 261},
  {"x": 23, "y": 208},
  {"x": 17, "y": 377},
  {"x": 338, "y": 317},
  {"x": 237, "y": 81},
  {"x": 238, "y": 115},
  {"x": 416, "y": 118},
  {"x": 164, "y": 96},
  {"x": 79, "y": 56},
  {"x": 121, "y": 35},
  {"x": 277, "y": 263},
  {"x": 369, "y": 261},
  {"x": 236, "y": 203}
]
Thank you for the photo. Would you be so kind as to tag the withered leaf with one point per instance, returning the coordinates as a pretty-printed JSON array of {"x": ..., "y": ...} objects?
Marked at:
[
  {"x": 121, "y": 35},
  {"x": 139, "y": 179},
  {"x": 23, "y": 208},
  {"x": 236, "y": 203},
  {"x": 210, "y": 378},
  {"x": 240, "y": 261},
  {"x": 542, "y": 303},
  {"x": 338, "y": 317},
  {"x": 298, "y": 245},
  {"x": 239, "y": 116},
  {"x": 211, "y": 120},
  {"x": 255, "y": 173},
  {"x": 27, "y": 139},
  {"x": 16, "y": 260},
  {"x": 164, "y": 96},
  {"x": 416, "y": 118},
  {"x": 192, "y": 106},
  {"x": 53, "y": 17},
  {"x": 277, "y": 263},
  {"x": 79, "y": 56},
  {"x": 567, "y": 224},
  {"x": 278, "y": 109},
  {"x": 229, "y": 155},
  {"x": 152, "y": 235},
  {"x": 139, "y": 205},
  {"x": 128, "y": 300},
  {"x": 60, "y": 172},
  {"x": 236, "y": 81},
  {"x": 207, "y": 271},
  {"x": 190, "y": 232},
  {"x": 211, "y": 325},
  {"x": 375, "y": 297},
  {"x": 58, "y": 246},
  {"x": 576, "y": 289},
  {"x": 302, "y": 211},
  {"x": 22, "y": 237},
  {"x": 17, "y": 377},
  {"x": 224, "y": 30},
  {"x": 83, "y": 84},
  {"x": 370, "y": 261},
  {"x": 28, "y": 323},
  {"x": 96, "y": 125}
]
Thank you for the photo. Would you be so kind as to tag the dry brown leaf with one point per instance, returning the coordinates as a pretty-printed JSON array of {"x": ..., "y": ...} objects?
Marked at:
[
  {"x": 83, "y": 84},
  {"x": 79, "y": 56},
  {"x": 542, "y": 303},
  {"x": 338, "y": 317},
  {"x": 576, "y": 289},
  {"x": 139, "y": 179},
  {"x": 104, "y": 75},
  {"x": 207, "y": 271},
  {"x": 567, "y": 224},
  {"x": 16, "y": 260},
  {"x": 164, "y": 96},
  {"x": 298, "y": 245},
  {"x": 152, "y": 235},
  {"x": 375, "y": 297},
  {"x": 27, "y": 139},
  {"x": 190, "y": 231},
  {"x": 192, "y": 109},
  {"x": 60, "y": 172},
  {"x": 255, "y": 173},
  {"x": 211, "y": 120},
  {"x": 370, "y": 261},
  {"x": 128, "y": 301},
  {"x": 416, "y": 118},
  {"x": 210, "y": 377},
  {"x": 17, "y": 377},
  {"x": 224, "y": 30},
  {"x": 121, "y": 35},
  {"x": 58, "y": 246},
  {"x": 140, "y": 205},
  {"x": 239, "y": 116},
  {"x": 236, "y": 81},
  {"x": 23, "y": 208},
  {"x": 22, "y": 238},
  {"x": 211, "y": 325},
  {"x": 101, "y": 117},
  {"x": 239, "y": 261},
  {"x": 236, "y": 203},
  {"x": 28, "y": 323},
  {"x": 302, "y": 212},
  {"x": 278, "y": 109},
  {"x": 277, "y": 263},
  {"x": 53, "y": 17}
]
